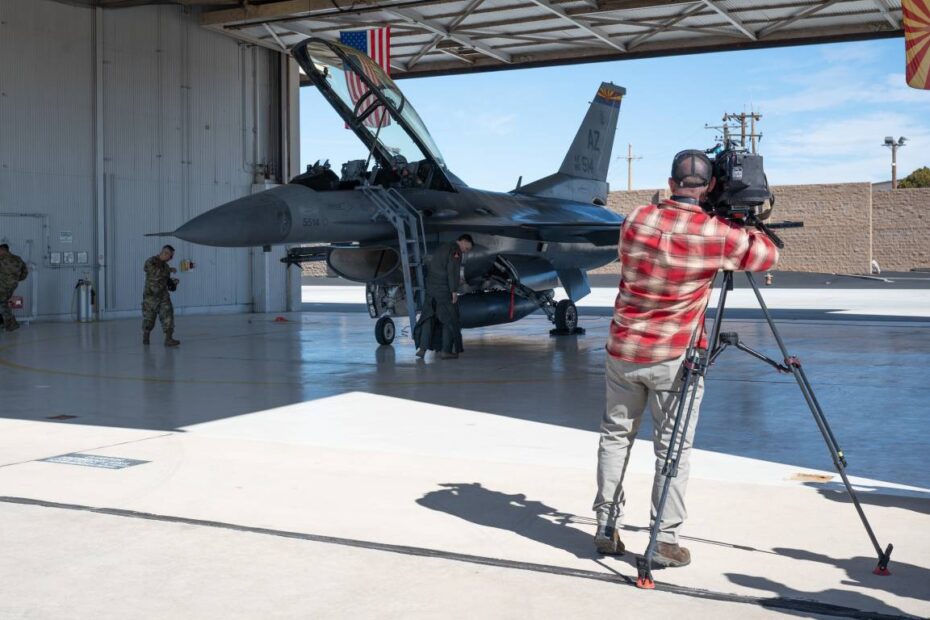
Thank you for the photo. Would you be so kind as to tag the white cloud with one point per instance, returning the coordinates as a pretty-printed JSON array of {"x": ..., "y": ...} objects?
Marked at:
[
  {"x": 848, "y": 53},
  {"x": 848, "y": 149},
  {"x": 487, "y": 123},
  {"x": 841, "y": 80}
]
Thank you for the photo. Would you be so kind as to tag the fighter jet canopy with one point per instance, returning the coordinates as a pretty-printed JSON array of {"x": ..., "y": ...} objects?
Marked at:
[{"x": 370, "y": 103}]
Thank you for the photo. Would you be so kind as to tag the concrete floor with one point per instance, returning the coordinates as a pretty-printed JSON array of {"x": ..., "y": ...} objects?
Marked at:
[{"x": 293, "y": 469}]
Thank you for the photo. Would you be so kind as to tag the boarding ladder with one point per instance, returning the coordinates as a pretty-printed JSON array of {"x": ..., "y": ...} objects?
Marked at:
[{"x": 411, "y": 242}]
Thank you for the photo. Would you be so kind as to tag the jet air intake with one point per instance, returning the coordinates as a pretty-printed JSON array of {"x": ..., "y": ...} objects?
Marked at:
[{"x": 365, "y": 264}]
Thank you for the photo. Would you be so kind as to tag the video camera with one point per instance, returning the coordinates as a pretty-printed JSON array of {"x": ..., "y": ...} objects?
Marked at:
[{"x": 741, "y": 193}]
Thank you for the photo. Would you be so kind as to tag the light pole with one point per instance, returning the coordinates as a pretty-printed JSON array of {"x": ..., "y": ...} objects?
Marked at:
[{"x": 890, "y": 143}]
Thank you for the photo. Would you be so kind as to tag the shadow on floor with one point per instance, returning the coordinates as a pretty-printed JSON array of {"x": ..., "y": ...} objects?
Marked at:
[
  {"x": 906, "y": 580},
  {"x": 534, "y": 520},
  {"x": 804, "y": 604},
  {"x": 515, "y": 513},
  {"x": 874, "y": 496}
]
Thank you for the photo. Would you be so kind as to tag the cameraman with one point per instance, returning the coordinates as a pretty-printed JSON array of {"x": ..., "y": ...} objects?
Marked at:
[{"x": 669, "y": 255}]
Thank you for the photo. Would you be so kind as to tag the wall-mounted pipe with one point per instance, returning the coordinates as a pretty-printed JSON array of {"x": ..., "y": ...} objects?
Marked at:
[{"x": 100, "y": 230}]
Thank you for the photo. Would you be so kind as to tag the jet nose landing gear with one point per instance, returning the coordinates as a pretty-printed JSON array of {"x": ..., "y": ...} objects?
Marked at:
[{"x": 385, "y": 330}]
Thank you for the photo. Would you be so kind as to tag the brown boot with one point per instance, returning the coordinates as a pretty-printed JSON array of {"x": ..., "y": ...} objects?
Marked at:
[
  {"x": 607, "y": 541},
  {"x": 421, "y": 352},
  {"x": 169, "y": 339},
  {"x": 145, "y": 336},
  {"x": 671, "y": 555},
  {"x": 448, "y": 356}
]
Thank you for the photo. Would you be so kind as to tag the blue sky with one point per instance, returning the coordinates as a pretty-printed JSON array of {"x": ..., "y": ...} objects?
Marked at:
[{"x": 826, "y": 110}]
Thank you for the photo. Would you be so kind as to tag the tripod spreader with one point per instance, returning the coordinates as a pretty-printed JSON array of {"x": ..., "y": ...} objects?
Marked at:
[{"x": 731, "y": 339}]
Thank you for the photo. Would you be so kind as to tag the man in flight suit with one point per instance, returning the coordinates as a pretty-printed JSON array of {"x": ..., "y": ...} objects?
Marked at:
[
  {"x": 12, "y": 271},
  {"x": 438, "y": 327}
]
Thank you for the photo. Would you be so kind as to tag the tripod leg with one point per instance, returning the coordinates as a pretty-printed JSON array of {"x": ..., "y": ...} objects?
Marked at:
[
  {"x": 839, "y": 461},
  {"x": 691, "y": 374}
]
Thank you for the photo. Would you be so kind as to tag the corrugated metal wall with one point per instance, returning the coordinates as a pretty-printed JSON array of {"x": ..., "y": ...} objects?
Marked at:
[{"x": 187, "y": 113}]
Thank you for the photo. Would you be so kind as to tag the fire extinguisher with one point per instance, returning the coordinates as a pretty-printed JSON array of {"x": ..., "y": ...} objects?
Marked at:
[{"x": 86, "y": 299}]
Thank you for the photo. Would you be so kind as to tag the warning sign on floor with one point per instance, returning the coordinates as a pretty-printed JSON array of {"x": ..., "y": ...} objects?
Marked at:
[{"x": 93, "y": 460}]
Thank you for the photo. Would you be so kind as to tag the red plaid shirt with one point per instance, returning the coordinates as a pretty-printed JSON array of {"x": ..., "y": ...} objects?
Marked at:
[{"x": 669, "y": 255}]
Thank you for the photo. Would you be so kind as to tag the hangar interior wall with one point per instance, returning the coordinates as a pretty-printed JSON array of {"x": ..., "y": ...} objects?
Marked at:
[{"x": 116, "y": 123}]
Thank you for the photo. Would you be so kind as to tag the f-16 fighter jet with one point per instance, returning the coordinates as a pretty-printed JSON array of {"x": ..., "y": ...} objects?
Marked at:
[{"x": 378, "y": 220}]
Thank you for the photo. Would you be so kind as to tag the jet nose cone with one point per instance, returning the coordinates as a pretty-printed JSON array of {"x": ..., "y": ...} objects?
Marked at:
[{"x": 261, "y": 219}]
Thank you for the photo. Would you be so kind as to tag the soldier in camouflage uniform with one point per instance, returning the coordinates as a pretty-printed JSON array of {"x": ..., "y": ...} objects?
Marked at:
[
  {"x": 156, "y": 296},
  {"x": 12, "y": 272}
]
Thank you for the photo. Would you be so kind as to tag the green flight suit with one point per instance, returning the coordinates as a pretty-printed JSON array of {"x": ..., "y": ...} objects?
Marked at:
[{"x": 439, "y": 327}]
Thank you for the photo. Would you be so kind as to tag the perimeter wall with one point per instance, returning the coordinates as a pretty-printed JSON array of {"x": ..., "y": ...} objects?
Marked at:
[{"x": 846, "y": 225}]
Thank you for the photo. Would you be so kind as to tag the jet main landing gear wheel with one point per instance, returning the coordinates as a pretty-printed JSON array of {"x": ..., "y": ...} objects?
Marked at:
[
  {"x": 566, "y": 315},
  {"x": 566, "y": 319},
  {"x": 384, "y": 330}
]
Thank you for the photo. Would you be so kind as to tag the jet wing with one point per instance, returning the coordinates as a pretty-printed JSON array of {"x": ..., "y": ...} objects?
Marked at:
[
  {"x": 601, "y": 235},
  {"x": 598, "y": 234}
]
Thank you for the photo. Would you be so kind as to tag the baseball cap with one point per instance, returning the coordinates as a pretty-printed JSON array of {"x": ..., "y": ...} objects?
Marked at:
[{"x": 692, "y": 168}]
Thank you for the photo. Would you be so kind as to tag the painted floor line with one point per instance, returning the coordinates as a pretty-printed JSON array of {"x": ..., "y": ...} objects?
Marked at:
[
  {"x": 104, "y": 447},
  {"x": 775, "y": 603}
]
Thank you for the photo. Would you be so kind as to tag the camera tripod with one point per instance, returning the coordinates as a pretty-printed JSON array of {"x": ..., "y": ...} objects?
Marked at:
[{"x": 695, "y": 365}]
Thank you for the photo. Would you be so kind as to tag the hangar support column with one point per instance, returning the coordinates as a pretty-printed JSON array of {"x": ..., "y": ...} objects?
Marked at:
[{"x": 276, "y": 288}]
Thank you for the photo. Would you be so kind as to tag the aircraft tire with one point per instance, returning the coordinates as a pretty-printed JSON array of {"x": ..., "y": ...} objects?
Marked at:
[
  {"x": 385, "y": 330},
  {"x": 566, "y": 315}
]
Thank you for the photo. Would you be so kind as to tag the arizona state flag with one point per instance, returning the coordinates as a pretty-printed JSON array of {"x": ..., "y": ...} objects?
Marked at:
[{"x": 917, "y": 42}]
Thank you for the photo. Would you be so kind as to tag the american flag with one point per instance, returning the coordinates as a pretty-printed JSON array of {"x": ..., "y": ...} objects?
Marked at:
[{"x": 376, "y": 43}]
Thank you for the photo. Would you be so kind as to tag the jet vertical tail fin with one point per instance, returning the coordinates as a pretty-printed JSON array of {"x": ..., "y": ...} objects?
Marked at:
[
  {"x": 583, "y": 174},
  {"x": 589, "y": 155}
]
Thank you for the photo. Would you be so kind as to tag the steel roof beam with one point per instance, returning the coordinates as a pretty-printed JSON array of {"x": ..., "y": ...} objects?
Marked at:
[
  {"x": 731, "y": 18},
  {"x": 445, "y": 33},
  {"x": 665, "y": 25},
  {"x": 592, "y": 30},
  {"x": 883, "y": 8},
  {"x": 481, "y": 33},
  {"x": 811, "y": 10},
  {"x": 468, "y": 10},
  {"x": 274, "y": 36},
  {"x": 454, "y": 55},
  {"x": 650, "y": 25},
  {"x": 263, "y": 12}
]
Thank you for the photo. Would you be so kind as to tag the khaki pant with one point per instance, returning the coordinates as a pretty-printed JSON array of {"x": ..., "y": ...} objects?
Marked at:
[{"x": 630, "y": 388}]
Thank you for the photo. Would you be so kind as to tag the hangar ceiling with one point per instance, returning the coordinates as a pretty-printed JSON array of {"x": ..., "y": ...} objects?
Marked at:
[{"x": 430, "y": 37}]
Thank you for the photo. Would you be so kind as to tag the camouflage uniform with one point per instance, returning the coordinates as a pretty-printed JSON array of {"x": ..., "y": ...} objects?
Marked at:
[
  {"x": 156, "y": 298},
  {"x": 12, "y": 272},
  {"x": 439, "y": 327}
]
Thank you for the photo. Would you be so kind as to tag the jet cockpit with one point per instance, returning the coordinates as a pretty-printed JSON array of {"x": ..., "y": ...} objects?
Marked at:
[{"x": 401, "y": 152}]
